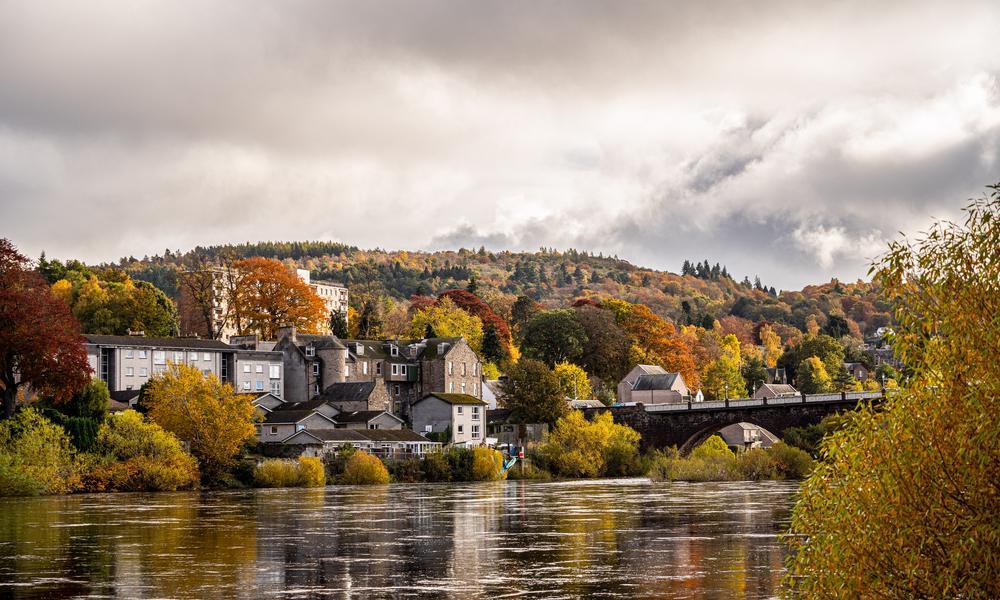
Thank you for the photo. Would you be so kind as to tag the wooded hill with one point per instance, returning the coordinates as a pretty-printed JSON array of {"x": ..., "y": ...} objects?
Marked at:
[{"x": 553, "y": 278}]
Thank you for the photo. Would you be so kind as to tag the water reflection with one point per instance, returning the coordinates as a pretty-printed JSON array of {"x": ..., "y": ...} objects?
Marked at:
[{"x": 596, "y": 538}]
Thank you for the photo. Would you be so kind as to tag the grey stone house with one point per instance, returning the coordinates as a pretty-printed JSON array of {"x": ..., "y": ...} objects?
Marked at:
[
  {"x": 461, "y": 417},
  {"x": 406, "y": 370}
]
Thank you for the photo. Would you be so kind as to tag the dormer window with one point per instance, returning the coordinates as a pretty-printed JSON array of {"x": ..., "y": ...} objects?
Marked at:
[
  {"x": 310, "y": 351},
  {"x": 393, "y": 350}
]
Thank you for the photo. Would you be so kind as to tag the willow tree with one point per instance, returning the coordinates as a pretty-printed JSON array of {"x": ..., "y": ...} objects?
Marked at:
[{"x": 906, "y": 502}]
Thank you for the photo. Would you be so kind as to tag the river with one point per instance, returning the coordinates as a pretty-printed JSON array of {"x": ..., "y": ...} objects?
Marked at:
[{"x": 604, "y": 538}]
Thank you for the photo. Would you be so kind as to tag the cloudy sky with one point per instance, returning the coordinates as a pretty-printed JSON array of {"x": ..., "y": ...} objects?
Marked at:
[{"x": 786, "y": 139}]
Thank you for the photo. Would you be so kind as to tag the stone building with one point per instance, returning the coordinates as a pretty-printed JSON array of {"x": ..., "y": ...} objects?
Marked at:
[{"x": 651, "y": 384}]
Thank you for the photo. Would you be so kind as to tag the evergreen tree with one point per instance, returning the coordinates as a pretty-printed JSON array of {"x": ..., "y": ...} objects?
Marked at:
[
  {"x": 473, "y": 287},
  {"x": 338, "y": 324},
  {"x": 492, "y": 347}
]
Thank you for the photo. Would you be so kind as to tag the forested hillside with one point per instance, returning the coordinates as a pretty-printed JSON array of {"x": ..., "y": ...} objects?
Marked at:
[{"x": 553, "y": 278}]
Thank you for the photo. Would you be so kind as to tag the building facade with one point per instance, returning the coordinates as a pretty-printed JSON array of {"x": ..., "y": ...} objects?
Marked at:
[
  {"x": 127, "y": 362},
  {"x": 460, "y": 418}
]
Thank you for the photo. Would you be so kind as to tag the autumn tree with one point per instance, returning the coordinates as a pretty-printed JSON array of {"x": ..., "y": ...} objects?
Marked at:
[
  {"x": 204, "y": 412},
  {"x": 905, "y": 502},
  {"x": 118, "y": 307},
  {"x": 654, "y": 340},
  {"x": 772, "y": 346},
  {"x": 447, "y": 320},
  {"x": 338, "y": 324},
  {"x": 723, "y": 378},
  {"x": 533, "y": 392},
  {"x": 271, "y": 296},
  {"x": 40, "y": 342},
  {"x": 573, "y": 380},
  {"x": 812, "y": 376}
]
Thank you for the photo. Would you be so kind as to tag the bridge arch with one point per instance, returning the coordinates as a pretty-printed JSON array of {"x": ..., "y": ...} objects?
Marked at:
[{"x": 698, "y": 436}]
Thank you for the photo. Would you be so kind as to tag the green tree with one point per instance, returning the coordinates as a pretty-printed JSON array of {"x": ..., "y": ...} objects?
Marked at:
[
  {"x": 492, "y": 346},
  {"x": 533, "y": 392},
  {"x": 447, "y": 320},
  {"x": 553, "y": 336},
  {"x": 338, "y": 325},
  {"x": 753, "y": 371},
  {"x": 905, "y": 502}
]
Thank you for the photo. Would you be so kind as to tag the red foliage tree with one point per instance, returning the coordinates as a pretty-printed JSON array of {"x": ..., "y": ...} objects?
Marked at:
[
  {"x": 471, "y": 304},
  {"x": 40, "y": 341}
]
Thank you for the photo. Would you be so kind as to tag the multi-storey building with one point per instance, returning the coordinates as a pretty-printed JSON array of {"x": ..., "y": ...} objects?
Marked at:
[
  {"x": 408, "y": 369},
  {"x": 203, "y": 307},
  {"x": 127, "y": 362},
  {"x": 334, "y": 295}
]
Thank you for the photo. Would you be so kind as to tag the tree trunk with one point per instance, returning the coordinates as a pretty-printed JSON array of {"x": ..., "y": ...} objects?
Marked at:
[{"x": 9, "y": 393}]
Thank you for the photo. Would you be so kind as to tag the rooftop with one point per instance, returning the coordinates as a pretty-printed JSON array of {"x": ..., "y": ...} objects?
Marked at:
[
  {"x": 464, "y": 399},
  {"x": 137, "y": 340},
  {"x": 663, "y": 381}
]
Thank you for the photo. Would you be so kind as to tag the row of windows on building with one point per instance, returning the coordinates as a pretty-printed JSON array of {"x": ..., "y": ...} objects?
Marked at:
[
  {"x": 462, "y": 389},
  {"x": 160, "y": 356},
  {"x": 475, "y": 430},
  {"x": 258, "y": 385},
  {"x": 274, "y": 371}
]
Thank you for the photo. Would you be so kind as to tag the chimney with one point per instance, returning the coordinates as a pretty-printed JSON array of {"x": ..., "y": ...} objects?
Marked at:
[{"x": 288, "y": 332}]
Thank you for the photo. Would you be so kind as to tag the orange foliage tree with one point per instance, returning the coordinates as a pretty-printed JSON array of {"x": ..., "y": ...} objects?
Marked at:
[
  {"x": 270, "y": 296},
  {"x": 654, "y": 340}
]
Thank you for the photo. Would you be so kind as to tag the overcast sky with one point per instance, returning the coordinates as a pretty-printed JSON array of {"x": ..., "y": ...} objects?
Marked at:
[{"x": 783, "y": 139}]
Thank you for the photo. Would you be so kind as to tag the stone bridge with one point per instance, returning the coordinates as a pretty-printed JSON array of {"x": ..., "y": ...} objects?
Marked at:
[{"x": 688, "y": 424}]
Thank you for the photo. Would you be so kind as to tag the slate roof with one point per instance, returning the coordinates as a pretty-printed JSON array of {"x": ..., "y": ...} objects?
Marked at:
[
  {"x": 586, "y": 404},
  {"x": 135, "y": 340},
  {"x": 427, "y": 347},
  {"x": 124, "y": 396},
  {"x": 652, "y": 369},
  {"x": 360, "y": 416},
  {"x": 349, "y": 391},
  {"x": 663, "y": 381},
  {"x": 318, "y": 341},
  {"x": 464, "y": 399},
  {"x": 779, "y": 389},
  {"x": 287, "y": 416},
  {"x": 363, "y": 435}
]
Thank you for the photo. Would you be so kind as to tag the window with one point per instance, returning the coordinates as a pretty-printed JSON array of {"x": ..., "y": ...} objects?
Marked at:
[
  {"x": 395, "y": 369},
  {"x": 451, "y": 368},
  {"x": 274, "y": 430},
  {"x": 246, "y": 385},
  {"x": 310, "y": 351},
  {"x": 459, "y": 409},
  {"x": 451, "y": 387},
  {"x": 128, "y": 353},
  {"x": 260, "y": 385},
  {"x": 475, "y": 369},
  {"x": 393, "y": 350},
  {"x": 460, "y": 429},
  {"x": 276, "y": 388},
  {"x": 463, "y": 387},
  {"x": 192, "y": 356},
  {"x": 463, "y": 369},
  {"x": 395, "y": 390},
  {"x": 373, "y": 426},
  {"x": 128, "y": 372},
  {"x": 143, "y": 372},
  {"x": 315, "y": 368},
  {"x": 275, "y": 371},
  {"x": 206, "y": 356},
  {"x": 378, "y": 368},
  {"x": 159, "y": 357},
  {"x": 315, "y": 389},
  {"x": 260, "y": 368},
  {"x": 402, "y": 370},
  {"x": 475, "y": 431},
  {"x": 246, "y": 368},
  {"x": 128, "y": 387},
  {"x": 142, "y": 354},
  {"x": 178, "y": 357},
  {"x": 475, "y": 413},
  {"x": 364, "y": 367}
]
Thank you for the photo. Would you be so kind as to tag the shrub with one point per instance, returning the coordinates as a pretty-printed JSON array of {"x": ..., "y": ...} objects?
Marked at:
[
  {"x": 487, "y": 464},
  {"x": 405, "y": 470},
  {"x": 36, "y": 456},
  {"x": 789, "y": 462},
  {"x": 132, "y": 454},
  {"x": 756, "y": 464},
  {"x": 311, "y": 473},
  {"x": 581, "y": 448},
  {"x": 526, "y": 470},
  {"x": 276, "y": 472},
  {"x": 364, "y": 469},
  {"x": 460, "y": 461},
  {"x": 435, "y": 467}
]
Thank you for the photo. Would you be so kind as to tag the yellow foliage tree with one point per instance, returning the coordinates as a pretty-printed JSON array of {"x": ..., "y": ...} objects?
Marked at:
[
  {"x": 487, "y": 464},
  {"x": 904, "y": 503},
  {"x": 573, "y": 380},
  {"x": 209, "y": 415},
  {"x": 448, "y": 320},
  {"x": 364, "y": 469},
  {"x": 581, "y": 448},
  {"x": 772, "y": 346},
  {"x": 722, "y": 378}
]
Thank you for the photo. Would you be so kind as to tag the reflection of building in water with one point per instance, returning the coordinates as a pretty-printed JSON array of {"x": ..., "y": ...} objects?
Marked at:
[{"x": 476, "y": 517}]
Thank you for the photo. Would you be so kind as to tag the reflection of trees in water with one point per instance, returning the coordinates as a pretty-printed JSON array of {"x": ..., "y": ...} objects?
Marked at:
[
  {"x": 129, "y": 544},
  {"x": 450, "y": 540}
]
